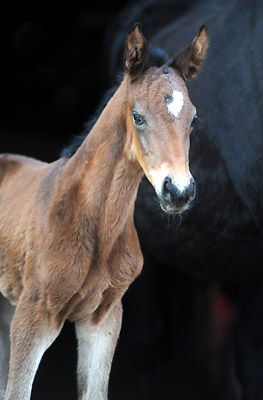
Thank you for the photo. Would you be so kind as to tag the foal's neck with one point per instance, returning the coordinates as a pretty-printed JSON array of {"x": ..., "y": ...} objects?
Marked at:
[
  {"x": 105, "y": 169},
  {"x": 107, "y": 141}
]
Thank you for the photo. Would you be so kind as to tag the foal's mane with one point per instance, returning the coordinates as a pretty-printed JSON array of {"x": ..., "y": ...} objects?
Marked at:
[{"x": 158, "y": 57}]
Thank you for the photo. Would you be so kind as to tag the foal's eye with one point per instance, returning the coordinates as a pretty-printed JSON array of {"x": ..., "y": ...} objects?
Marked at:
[{"x": 138, "y": 120}]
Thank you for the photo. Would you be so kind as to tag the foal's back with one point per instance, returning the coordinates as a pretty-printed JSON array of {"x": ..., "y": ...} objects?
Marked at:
[{"x": 19, "y": 179}]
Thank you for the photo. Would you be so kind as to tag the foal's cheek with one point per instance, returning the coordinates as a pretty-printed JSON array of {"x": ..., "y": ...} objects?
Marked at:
[
  {"x": 144, "y": 142},
  {"x": 138, "y": 149}
]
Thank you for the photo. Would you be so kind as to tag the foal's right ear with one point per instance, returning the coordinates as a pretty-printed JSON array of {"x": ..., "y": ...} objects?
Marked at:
[
  {"x": 188, "y": 60},
  {"x": 136, "y": 52}
]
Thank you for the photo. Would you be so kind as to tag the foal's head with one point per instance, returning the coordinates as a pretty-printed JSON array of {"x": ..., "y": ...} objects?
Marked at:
[{"x": 161, "y": 116}]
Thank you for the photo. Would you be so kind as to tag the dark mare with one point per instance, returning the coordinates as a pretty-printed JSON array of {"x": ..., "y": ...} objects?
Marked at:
[{"x": 220, "y": 238}]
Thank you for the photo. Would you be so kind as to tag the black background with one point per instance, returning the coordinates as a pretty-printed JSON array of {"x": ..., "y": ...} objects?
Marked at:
[{"x": 51, "y": 75}]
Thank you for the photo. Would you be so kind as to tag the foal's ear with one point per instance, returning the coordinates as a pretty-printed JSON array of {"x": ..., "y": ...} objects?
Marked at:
[
  {"x": 136, "y": 52},
  {"x": 189, "y": 59}
]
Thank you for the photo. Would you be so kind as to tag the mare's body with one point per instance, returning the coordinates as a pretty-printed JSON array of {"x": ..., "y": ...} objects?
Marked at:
[{"x": 220, "y": 238}]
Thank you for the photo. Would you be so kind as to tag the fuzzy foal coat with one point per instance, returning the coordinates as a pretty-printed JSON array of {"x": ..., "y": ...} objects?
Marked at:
[
  {"x": 74, "y": 223},
  {"x": 74, "y": 249}
]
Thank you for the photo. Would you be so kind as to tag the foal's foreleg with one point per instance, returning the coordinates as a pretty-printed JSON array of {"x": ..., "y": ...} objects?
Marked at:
[
  {"x": 6, "y": 315},
  {"x": 32, "y": 332},
  {"x": 96, "y": 345}
]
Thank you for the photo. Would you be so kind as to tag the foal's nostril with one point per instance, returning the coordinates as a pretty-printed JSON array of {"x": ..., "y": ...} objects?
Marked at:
[
  {"x": 167, "y": 189},
  {"x": 192, "y": 189}
]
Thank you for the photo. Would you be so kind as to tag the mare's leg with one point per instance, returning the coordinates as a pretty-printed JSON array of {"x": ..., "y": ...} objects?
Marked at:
[
  {"x": 32, "y": 332},
  {"x": 6, "y": 315},
  {"x": 250, "y": 342},
  {"x": 96, "y": 345}
]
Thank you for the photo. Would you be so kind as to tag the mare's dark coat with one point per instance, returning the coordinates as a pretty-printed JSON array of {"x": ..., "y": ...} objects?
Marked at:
[{"x": 220, "y": 238}]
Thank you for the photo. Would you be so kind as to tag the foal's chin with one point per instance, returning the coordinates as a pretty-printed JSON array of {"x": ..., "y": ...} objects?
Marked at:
[{"x": 174, "y": 209}]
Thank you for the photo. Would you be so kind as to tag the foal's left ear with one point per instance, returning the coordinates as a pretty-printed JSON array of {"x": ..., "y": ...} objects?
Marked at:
[
  {"x": 136, "y": 52},
  {"x": 189, "y": 59}
]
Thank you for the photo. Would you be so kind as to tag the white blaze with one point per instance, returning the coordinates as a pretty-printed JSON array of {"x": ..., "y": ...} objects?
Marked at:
[{"x": 176, "y": 104}]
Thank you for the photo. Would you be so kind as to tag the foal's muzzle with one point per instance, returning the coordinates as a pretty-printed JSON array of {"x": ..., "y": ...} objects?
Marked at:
[{"x": 172, "y": 199}]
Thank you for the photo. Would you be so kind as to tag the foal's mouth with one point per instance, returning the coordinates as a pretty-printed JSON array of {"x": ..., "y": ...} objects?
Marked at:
[{"x": 174, "y": 209}]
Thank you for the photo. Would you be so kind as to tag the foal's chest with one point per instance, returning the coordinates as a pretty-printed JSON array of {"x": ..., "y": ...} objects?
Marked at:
[{"x": 107, "y": 281}]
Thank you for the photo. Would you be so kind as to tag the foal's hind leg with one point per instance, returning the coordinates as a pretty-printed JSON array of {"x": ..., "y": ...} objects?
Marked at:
[
  {"x": 6, "y": 315},
  {"x": 32, "y": 332},
  {"x": 96, "y": 345}
]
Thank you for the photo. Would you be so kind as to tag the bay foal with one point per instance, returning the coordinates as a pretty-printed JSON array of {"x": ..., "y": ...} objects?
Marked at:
[{"x": 68, "y": 246}]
